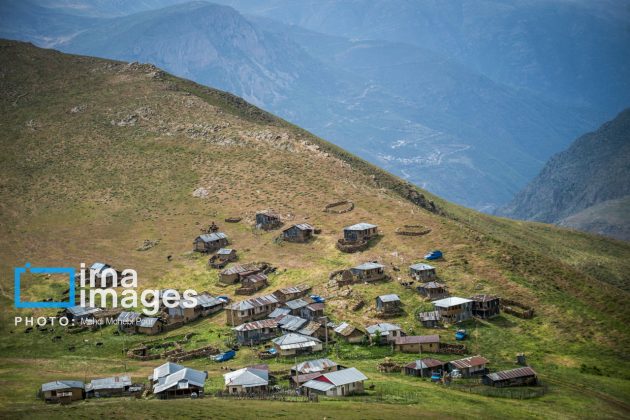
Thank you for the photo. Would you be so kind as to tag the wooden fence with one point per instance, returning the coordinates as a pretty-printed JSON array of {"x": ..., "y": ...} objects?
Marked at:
[{"x": 285, "y": 395}]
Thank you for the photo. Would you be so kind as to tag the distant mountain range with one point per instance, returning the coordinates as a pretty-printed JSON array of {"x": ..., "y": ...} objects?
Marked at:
[
  {"x": 586, "y": 187},
  {"x": 464, "y": 101}
]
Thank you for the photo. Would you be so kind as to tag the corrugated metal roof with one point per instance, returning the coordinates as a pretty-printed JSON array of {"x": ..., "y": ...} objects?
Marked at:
[
  {"x": 318, "y": 385},
  {"x": 331, "y": 380},
  {"x": 425, "y": 363},
  {"x": 290, "y": 322},
  {"x": 58, "y": 385},
  {"x": 418, "y": 339},
  {"x": 469, "y": 362},
  {"x": 318, "y": 306},
  {"x": 294, "y": 289},
  {"x": 211, "y": 237},
  {"x": 256, "y": 278},
  {"x": 360, "y": 226},
  {"x": 311, "y": 366},
  {"x": 240, "y": 268},
  {"x": 127, "y": 317},
  {"x": 182, "y": 379},
  {"x": 247, "y": 377},
  {"x": 257, "y": 325},
  {"x": 254, "y": 302},
  {"x": 389, "y": 298},
  {"x": 148, "y": 322},
  {"x": 369, "y": 266},
  {"x": 503, "y": 375},
  {"x": 225, "y": 251},
  {"x": 166, "y": 369},
  {"x": 295, "y": 341},
  {"x": 98, "y": 267},
  {"x": 279, "y": 312},
  {"x": 206, "y": 301},
  {"x": 384, "y": 328},
  {"x": 300, "y": 226},
  {"x": 345, "y": 329},
  {"x": 421, "y": 267},
  {"x": 450, "y": 301},
  {"x": 113, "y": 382},
  {"x": 296, "y": 304},
  {"x": 310, "y": 328}
]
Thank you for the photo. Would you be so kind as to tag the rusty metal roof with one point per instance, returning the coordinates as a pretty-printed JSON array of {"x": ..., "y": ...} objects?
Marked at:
[
  {"x": 346, "y": 329},
  {"x": 253, "y": 302},
  {"x": 301, "y": 226},
  {"x": 294, "y": 289},
  {"x": 319, "y": 306},
  {"x": 469, "y": 362},
  {"x": 240, "y": 269},
  {"x": 316, "y": 365},
  {"x": 257, "y": 325},
  {"x": 425, "y": 363},
  {"x": 418, "y": 339},
  {"x": 255, "y": 278},
  {"x": 310, "y": 328},
  {"x": 503, "y": 375}
]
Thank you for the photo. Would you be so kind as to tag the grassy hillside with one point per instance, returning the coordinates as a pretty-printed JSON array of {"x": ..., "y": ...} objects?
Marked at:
[{"x": 98, "y": 156}]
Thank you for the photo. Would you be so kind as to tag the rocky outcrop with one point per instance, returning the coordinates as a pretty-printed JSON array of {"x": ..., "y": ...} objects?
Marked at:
[{"x": 593, "y": 170}]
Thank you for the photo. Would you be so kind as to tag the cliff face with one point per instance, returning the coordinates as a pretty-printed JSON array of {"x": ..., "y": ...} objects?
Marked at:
[{"x": 594, "y": 170}]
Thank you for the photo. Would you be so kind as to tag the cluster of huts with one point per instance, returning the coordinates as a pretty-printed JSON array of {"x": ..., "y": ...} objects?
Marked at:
[
  {"x": 166, "y": 319},
  {"x": 471, "y": 367},
  {"x": 67, "y": 391},
  {"x": 311, "y": 378},
  {"x": 172, "y": 380},
  {"x": 294, "y": 323}
]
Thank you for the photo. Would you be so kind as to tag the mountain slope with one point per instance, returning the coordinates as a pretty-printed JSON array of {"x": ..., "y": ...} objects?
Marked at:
[
  {"x": 410, "y": 110},
  {"x": 592, "y": 171},
  {"x": 609, "y": 218},
  {"x": 573, "y": 51},
  {"x": 98, "y": 156}
]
